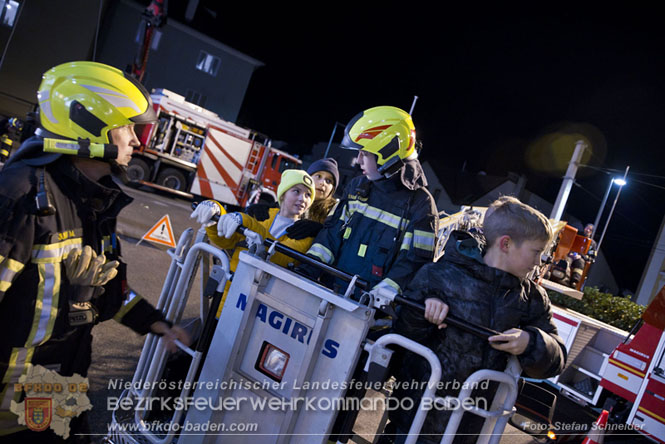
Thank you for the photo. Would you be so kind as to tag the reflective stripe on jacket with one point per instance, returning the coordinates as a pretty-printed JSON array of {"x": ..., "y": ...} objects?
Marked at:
[
  {"x": 381, "y": 231},
  {"x": 34, "y": 291}
]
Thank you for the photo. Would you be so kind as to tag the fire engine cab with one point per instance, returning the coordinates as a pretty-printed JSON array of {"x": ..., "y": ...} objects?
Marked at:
[{"x": 192, "y": 151}]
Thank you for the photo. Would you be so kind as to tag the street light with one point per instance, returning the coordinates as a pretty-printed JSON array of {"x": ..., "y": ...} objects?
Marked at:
[
  {"x": 620, "y": 182},
  {"x": 614, "y": 180}
]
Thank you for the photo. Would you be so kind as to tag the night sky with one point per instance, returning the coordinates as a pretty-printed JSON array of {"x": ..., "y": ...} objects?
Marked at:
[{"x": 499, "y": 90}]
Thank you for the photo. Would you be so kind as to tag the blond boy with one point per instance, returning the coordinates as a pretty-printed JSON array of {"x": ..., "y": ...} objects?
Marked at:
[{"x": 482, "y": 279}]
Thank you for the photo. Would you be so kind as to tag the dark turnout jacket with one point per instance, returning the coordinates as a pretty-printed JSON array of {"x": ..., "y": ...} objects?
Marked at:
[
  {"x": 382, "y": 230},
  {"x": 483, "y": 295},
  {"x": 35, "y": 294}
]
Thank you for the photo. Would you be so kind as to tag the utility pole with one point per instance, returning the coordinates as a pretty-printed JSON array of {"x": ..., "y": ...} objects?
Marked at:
[
  {"x": 602, "y": 236},
  {"x": 568, "y": 180}
]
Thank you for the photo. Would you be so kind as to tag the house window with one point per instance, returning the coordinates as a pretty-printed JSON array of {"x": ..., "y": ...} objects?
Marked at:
[
  {"x": 8, "y": 11},
  {"x": 195, "y": 97},
  {"x": 208, "y": 63}
]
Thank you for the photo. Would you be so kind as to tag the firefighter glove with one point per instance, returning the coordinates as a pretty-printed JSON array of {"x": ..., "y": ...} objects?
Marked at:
[
  {"x": 85, "y": 268},
  {"x": 228, "y": 224},
  {"x": 303, "y": 228},
  {"x": 205, "y": 211}
]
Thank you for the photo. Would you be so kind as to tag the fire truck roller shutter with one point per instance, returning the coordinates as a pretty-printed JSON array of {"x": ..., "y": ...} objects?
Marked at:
[
  {"x": 138, "y": 169},
  {"x": 172, "y": 178}
]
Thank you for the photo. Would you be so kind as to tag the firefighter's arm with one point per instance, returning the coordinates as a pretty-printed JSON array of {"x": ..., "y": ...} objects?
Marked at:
[
  {"x": 416, "y": 248},
  {"x": 327, "y": 243},
  {"x": 130, "y": 309},
  {"x": 16, "y": 240},
  {"x": 301, "y": 245},
  {"x": 170, "y": 333},
  {"x": 120, "y": 303}
]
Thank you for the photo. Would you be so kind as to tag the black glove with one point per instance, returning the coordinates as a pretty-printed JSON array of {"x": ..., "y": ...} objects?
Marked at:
[
  {"x": 304, "y": 228},
  {"x": 260, "y": 212},
  {"x": 309, "y": 271}
]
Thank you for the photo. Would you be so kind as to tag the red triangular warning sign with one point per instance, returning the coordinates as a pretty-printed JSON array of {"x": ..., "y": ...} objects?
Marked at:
[{"x": 161, "y": 233}]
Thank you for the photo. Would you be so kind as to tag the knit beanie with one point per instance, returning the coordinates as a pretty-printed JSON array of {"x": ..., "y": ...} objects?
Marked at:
[
  {"x": 328, "y": 164},
  {"x": 291, "y": 178}
]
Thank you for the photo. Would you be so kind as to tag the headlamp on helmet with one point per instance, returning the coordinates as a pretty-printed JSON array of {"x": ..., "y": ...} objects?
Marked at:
[{"x": 83, "y": 101}]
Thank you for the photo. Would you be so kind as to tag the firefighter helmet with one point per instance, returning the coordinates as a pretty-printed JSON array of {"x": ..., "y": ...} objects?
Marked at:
[
  {"x": 386, "y": 131},
  {"x": 87, "y": 99}
]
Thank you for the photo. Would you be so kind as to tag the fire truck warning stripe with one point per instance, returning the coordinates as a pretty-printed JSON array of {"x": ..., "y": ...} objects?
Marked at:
[
  {"x": 221, "y": 148},
  {"x": 225, "y": 176},
  {"x": 625, "y": 367},
  {"x": 564, "y": 319},
  {"x": 204, "y": 182},
  {"x": 652, "y": 414}
]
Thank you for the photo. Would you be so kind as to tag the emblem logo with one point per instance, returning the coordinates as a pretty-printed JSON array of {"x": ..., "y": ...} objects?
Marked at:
[{"x": 37, "y": 413}]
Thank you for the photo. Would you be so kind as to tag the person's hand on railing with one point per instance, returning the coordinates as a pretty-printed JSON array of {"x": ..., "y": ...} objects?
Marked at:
[
  {"x": 205, "y": 212},
  {"x": 436, "y": 311},
  {"x": 170, "y": 334},
  {"x": 513, "y": 341},
  {"x": 228, "y": 224}
]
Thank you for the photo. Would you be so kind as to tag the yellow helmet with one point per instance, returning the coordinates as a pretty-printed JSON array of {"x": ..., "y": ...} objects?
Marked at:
[
  {"x": 386, "y": 131},
  {"x": 87, "y": 99}
]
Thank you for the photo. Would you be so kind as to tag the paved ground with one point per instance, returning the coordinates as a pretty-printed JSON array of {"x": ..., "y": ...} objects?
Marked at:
[{"x": 116, "y": 348}]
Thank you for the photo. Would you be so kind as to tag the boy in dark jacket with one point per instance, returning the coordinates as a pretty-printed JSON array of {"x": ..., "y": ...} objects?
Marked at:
[{"x": 486, "y": 286}]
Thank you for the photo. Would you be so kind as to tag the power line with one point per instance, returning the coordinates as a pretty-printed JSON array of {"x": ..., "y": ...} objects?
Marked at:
[
  {"x": 612, "y": 170},
  {"x": 619, "y": 213},
  {"x": 649, "y": 184}
]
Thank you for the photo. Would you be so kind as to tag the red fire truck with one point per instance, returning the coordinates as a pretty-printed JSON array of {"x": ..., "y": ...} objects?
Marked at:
[{"x": 192, "y": 151}]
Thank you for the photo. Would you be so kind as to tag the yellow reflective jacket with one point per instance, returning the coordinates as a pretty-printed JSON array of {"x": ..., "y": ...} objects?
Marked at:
[{"x": 237, "y": 244}]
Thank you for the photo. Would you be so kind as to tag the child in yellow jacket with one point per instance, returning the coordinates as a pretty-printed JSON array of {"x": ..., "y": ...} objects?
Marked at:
[{"x": 294, "y": 194}]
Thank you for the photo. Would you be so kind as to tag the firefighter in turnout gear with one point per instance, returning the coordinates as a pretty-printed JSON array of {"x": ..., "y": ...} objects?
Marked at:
[
  {"x": 384, "y": 228},
  {"x": 60, "y": 266},
  {"x": 385, "y": 225}
]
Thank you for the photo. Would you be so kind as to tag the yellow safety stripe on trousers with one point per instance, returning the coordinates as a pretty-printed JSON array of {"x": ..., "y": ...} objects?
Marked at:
[
  {"x": 54, "y": 253},
  {"x": 127, "y": 305},
  {"x": 377, "y": 214},
  {"x": 19, "y": 362},
  {"x": 9, "y": 268},
  {"x": 322, "y": 253},
  {"x": 46, "y": 305},
  {"x": 425, "y": 240}
]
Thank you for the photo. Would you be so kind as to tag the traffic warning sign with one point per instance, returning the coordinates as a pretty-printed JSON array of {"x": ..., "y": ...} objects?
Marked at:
[{"x": 160, "y": 233}]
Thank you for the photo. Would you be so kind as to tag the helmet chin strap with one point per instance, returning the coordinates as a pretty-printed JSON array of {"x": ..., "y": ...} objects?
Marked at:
[{"x": 392, "y": 166}]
